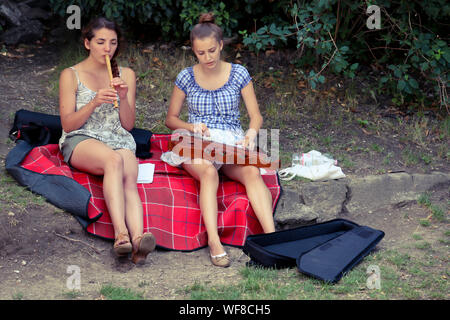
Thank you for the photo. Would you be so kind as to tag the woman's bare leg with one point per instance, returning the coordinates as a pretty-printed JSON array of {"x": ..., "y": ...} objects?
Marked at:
[
  {"x": 133, "y": 203},
  {"x": 204, "y": 172},
  {"x": 258, "y": 194},
  {"x": 109, "y": 163}
]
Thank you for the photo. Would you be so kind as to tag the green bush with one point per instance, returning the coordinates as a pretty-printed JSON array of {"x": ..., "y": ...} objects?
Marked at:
[
  {"x": 155, "y": 15},
  {"x": 332, "y": 34}
]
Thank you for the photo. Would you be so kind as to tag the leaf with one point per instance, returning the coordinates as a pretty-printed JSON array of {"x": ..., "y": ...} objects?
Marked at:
[
  {"x": 354, "y": 66},
  {"x": 324, "y": 3},
  {"x": 446, "y": 55},
  {"x": 397, "y": 72},
  {"x": 413, "y": 83},
  {"x": 424, "y": 66},
  {"x": 401, "y": 85}
]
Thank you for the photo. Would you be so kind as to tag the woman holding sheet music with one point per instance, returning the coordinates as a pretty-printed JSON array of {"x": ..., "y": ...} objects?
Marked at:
[
  {"x": 212, "y": 89},
  {"x": 96, "y": 137}
]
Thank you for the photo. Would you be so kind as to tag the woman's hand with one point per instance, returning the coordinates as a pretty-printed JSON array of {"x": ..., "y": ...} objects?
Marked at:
[
  {"x": 200, "y": 128},
  {"x": 107, "y": 95},
  {"x": 120, "y": 86},
  {"x": 249, "y": 140}
]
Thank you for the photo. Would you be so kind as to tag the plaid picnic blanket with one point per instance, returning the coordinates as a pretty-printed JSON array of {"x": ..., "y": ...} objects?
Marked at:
[{"x": 170, "y": 203}]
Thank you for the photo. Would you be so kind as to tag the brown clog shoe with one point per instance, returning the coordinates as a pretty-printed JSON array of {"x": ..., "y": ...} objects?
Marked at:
[{"x": 146, "y": 244}]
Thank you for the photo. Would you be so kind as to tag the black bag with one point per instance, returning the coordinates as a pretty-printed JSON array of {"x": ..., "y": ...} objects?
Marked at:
[
  {"x": 40, "y": 129},
  {"x": 325, "y": 250},
  {"x": 36, "y": 128},
  {"x": 142, "y": 139}
]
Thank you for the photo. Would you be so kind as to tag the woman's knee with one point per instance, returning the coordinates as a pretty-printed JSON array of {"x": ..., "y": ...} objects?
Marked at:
[
  {"x": 210, "y": 174},
  {"x": 114, "y": 162},
  {"x": 130, "y": 169},
  {"x": 250, "y": 173},
  {"x": 130, "y": 179}
]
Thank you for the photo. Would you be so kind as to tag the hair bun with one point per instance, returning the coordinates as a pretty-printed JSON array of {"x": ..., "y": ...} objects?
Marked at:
[{"x": 206, "y": 18}]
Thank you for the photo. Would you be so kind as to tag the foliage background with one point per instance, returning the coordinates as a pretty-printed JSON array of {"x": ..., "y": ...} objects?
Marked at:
[{"x": 410, "y": 51}]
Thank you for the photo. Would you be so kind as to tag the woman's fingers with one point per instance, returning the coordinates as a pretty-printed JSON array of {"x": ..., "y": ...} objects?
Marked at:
[
  {"x": 107, "y": 92},
  {"x": 108, "y": 95},
  {"x": 118, "y": 82},
  {"x": 201, "y": 128},
  {"x": 120, "y": 86},
  {"x": 247, "y": 142}
]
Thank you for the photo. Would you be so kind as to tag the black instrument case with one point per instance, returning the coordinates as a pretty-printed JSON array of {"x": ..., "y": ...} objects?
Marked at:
[{"x": 324, "y": 251}]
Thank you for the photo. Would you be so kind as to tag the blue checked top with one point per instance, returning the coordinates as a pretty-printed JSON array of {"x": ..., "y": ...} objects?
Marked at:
[{"x": 218, "y": 109}]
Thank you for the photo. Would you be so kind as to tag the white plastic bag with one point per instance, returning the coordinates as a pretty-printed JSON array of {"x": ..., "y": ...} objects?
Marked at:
[
  {"x": 314, "y": 158},
  {"x": 326, "y": 170}
]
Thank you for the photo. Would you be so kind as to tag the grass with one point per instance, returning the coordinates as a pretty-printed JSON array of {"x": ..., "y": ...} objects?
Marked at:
[
  {"x": 18, "y": 296},
  {"x": 112, "y": 292},
  {"x": 288, "y": 284},
  {"x": 409, "y": 157},
  {"x": 72, "y": 294},
  {"x": 437, "y": 212},
  {"x": 401, "y": 277},
  {"x": 16, "y": 198}
]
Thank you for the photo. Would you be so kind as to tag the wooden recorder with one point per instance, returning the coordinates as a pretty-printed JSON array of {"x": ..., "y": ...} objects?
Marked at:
[
  {"x": 110, "y": 73},
  {"x": 194, "y": 147}
]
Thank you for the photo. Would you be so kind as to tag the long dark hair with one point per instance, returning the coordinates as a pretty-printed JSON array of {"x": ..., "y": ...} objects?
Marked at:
[{"x": 95, "y": 24}]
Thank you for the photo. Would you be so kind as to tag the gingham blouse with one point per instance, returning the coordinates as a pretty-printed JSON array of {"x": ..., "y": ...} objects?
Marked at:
[{"x": 218, "y": 109}]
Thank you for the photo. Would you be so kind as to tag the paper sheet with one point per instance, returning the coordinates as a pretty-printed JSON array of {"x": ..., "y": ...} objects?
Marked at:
[{"x": 145, "y": 173}]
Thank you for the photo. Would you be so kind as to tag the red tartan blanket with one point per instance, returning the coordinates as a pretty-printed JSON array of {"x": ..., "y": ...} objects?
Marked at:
[{"x": 170, "y": 203}]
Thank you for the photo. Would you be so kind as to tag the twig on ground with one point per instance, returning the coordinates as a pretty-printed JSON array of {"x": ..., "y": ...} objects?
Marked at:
[{"x": 76, "y": 240}]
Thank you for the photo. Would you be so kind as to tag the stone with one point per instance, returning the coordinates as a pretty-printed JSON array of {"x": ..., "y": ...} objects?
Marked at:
[
  {"x": 28, "y": 31},
  {"x": 313, "y": 202},
  {"x": 374, "y": 192},
  {"x": 291, "y": 211},
  {"x": 10, "y": 12},
  {"x": 34, "y": 13},
  {"x": 21, "y": 21}
]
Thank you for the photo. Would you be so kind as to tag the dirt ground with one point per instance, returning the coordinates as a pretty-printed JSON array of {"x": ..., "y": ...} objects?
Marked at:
[{"x": 38, "y": 242}]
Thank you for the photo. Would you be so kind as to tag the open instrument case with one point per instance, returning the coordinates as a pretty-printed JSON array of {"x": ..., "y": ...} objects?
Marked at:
[{"x": 324, "y": 251}]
